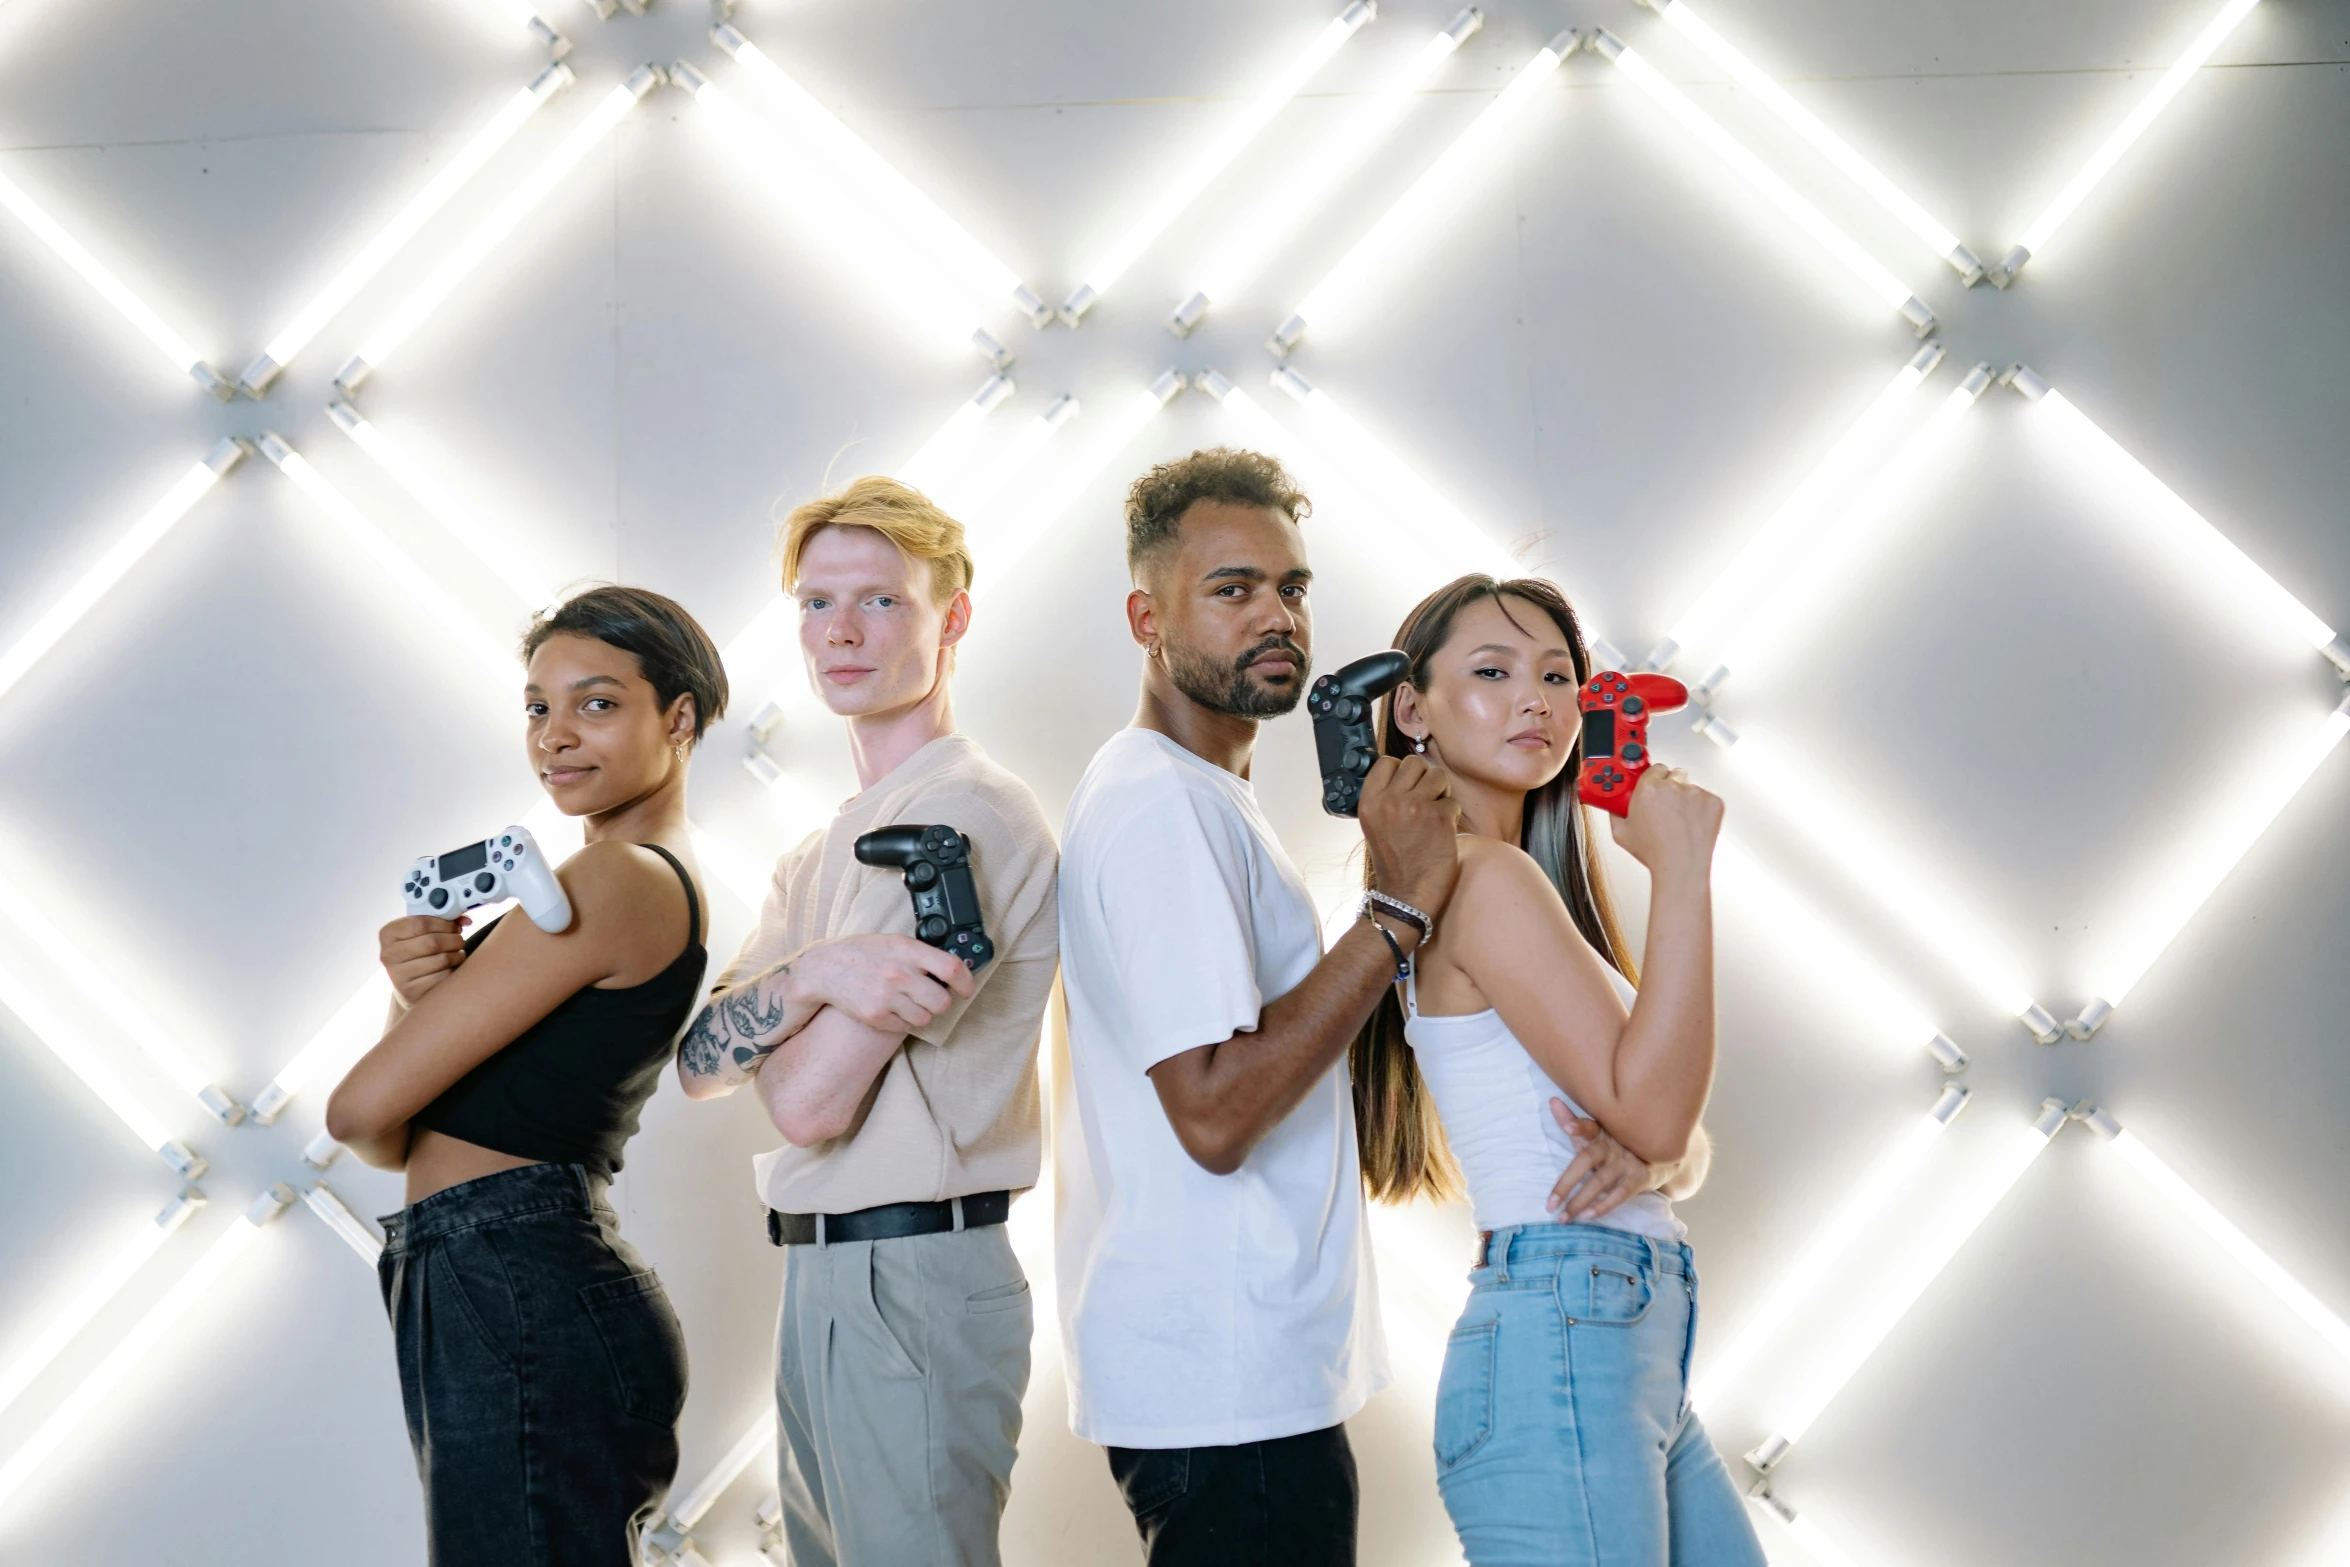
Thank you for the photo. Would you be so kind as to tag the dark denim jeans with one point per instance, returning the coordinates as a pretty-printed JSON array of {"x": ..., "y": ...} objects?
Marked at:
[
  {"x": 1287, "y": 1502},
  {"x": 541, "y": 1367}
]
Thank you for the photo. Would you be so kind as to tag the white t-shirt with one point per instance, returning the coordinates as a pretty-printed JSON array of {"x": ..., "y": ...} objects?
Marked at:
[{"x": 1197, "y": 1310}]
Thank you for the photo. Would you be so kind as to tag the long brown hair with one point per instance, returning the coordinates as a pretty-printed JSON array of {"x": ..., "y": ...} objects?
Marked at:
[{"x": 1397, "y": 1134}]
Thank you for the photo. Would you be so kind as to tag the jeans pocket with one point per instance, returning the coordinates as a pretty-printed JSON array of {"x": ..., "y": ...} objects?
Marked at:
[
  {"x": 1151, "y": 1478},
  {"x": 1464, "y": 1393},
  {"x": 643, "y": 1344},
  {"x": 1609, "y": 1294}
]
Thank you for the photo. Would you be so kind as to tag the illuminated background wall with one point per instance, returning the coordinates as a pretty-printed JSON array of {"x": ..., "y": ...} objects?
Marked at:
[{"x": 2013, "y": 725}]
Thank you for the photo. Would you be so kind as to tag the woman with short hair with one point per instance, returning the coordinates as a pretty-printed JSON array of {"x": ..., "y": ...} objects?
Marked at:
[{"x": 541, "y": 1366}]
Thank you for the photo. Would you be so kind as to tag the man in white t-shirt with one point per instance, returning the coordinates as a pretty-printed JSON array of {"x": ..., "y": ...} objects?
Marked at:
[{"x": 1215, "y": 1286}]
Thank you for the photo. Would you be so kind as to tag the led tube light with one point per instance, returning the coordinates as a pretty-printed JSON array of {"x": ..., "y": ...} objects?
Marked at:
[
  {"x": 1882, "y": 285},
  {"x": 902, "y": 278},
  {"x": 921, "y": 224},
  {"x": 1834, "y": 548},
  {"x": 1874, "y": 1195},
  {"x": 111, "y": 289},
  {"x": 1807, "y": 1535},
  {"x": 736, "y": 874},
  {"x": 398, "y": 571},
  {"x": 2159, "y": 913},
  {"x": 1015, "y": 531},
  {"x": 101, "y": 1287},
  {"x": 133, "y": 1346},
  {"x": 1178, "y": 193},
  {"x": 356, "y": 1232},
  {"x": 1824, "y": 141},
  {"x": 2204, "y": 554},
  {"x": 125, "y": 553},
  {"x": 101, "y": 993},
  {"x": 2239, "y": 1246},
  {"x": 2043, "y": 228},
  {"x": 1784, "y": 544},
  {"x": 1797, "y": 927},
  {"x": 70, "y": 1046},
  {"x": 1417, "y": 212},
  {"x": 951, "y": 443},
  {"x": 1858, "y": 848},
  {"x": 486, "y": 236},
  {"x": 974, "y": 498},
  {"x": 1881, "y": 1311},
  {"x": 1381, "y": 470},
  {"x": 695, "y": 1505},
  {"x": 355, "y": 1027},
  {"x": 1276, "y": 216},
  {"x": 421, "y": 207},
  {"x": 529, "y": 21},
  {"x": 534, "y": 584}
]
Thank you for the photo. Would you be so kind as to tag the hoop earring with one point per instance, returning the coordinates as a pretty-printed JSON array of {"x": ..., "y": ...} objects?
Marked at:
[{"x": 679, "y": 748}]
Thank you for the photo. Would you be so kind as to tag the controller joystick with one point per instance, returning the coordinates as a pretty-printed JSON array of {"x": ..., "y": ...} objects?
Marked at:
[
  {"x": 509, "y": 865},
  {"x": 1340, "y": 703},
  {"x": 1616, "y": 710},
  {"x": 936, "y": 862}
]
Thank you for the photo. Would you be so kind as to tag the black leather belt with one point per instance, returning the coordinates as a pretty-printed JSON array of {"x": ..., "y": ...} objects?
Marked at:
[{"x": 889, "y": 1222}]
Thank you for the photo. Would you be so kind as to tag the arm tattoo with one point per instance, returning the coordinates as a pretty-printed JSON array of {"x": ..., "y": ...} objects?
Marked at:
[{"x": 722, "y": 1042}]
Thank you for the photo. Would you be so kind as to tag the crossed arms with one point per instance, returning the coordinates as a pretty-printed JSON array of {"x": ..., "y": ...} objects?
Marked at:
[{"x": 814, "y": 1031}]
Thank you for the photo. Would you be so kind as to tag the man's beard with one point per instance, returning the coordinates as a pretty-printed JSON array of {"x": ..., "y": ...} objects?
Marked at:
[{"x": 1227, "y": 688}]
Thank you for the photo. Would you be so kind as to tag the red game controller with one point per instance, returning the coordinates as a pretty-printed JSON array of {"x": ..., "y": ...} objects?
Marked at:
[{"x": 1616, "y": 711}]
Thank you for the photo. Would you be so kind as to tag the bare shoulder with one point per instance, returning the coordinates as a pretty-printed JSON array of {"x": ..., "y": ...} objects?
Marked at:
[
  {"x": 1498, "y": 881},
  {"x": 616, "y": 885}
]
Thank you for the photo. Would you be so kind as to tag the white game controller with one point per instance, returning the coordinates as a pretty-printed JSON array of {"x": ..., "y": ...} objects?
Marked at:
[{"x": 491, "y": 871}]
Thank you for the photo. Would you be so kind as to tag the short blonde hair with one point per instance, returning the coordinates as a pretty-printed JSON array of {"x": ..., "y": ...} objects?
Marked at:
[{"x": 899, "y": 513}]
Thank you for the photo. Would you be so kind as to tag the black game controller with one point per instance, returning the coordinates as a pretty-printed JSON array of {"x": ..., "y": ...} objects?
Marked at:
[
  {"x": 937, "y": 863},
  {"x": 1341, "y": 705}
]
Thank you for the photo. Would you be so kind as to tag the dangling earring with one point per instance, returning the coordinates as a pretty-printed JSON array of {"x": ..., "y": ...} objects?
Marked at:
[
  {"x": 680, "y": 749},
  {"x": 1420, "y": 746}
]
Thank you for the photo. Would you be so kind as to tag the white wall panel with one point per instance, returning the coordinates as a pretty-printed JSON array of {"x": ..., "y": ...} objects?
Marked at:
[{"x": 1607, "y": 353}]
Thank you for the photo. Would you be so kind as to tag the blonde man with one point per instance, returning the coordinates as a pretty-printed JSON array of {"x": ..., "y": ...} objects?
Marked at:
[{"x": 904, "y": 1085}]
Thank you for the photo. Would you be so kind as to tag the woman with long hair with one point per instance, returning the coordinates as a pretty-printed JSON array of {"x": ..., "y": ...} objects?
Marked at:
[
  {"x": 540, "y": 1363},
  {"x": 1520, "y": 1060}
]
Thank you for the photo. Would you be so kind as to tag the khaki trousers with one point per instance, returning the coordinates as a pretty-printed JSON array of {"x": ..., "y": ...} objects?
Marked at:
[{"x": 899, "y": 1369}]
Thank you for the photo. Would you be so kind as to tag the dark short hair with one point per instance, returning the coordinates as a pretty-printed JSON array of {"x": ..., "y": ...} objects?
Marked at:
[
  {"x": 1158, "y": 499},
  {"x": 671, "y": 647}
]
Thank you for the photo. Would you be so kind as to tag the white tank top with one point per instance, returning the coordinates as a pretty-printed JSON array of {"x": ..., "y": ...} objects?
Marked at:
[{"x": 1495, "y": 1104}]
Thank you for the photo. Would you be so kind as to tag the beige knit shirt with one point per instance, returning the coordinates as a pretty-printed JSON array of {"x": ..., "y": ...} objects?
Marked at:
[{"x": 957, "y": 1111}]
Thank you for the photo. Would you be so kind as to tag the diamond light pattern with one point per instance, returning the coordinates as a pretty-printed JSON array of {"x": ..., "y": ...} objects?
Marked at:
[{"x": 1859, "y": 486}]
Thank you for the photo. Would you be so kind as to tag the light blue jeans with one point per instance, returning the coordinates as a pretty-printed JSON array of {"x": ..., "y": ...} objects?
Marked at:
[{"x": 1564, "y": 1436}]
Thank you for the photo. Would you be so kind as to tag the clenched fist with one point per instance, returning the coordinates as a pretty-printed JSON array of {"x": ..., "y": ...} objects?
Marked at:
[
  {"x": 419, "y": 951},
  {"x": 1409, "y": 818}
]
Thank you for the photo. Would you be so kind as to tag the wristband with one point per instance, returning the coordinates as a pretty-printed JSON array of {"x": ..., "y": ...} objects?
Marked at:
[
  {"x": 1403, "y": 962},
  {"x": 1376, "y": 901}
]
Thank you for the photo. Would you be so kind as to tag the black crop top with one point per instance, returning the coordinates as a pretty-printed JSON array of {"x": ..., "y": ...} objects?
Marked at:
[{"x": 568, "y": 1089}]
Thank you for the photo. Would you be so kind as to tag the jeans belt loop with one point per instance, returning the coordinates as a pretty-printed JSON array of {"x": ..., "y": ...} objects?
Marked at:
[
  {"x": 1498, "y": 1254},
  {"x": 820, "y": 1241},
  {"x": 957, "y": 1204}
]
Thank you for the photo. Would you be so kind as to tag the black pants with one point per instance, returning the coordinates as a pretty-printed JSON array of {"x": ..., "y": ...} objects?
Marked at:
[
  {"x": 1288, "y": 1502},
  {"x": 541, "y": 1367}
]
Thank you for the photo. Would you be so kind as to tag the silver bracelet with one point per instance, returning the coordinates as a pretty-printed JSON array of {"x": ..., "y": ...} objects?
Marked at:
[{"x": 1374, "y": 899}]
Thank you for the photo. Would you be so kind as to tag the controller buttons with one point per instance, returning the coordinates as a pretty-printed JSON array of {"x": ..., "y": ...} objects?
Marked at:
[
  {"x": 484, "y": 882},
  {"x": 1633, "y": 753},
  {"x": 439, "y": 898},
  {"x": 921, "y": 874},
  {"x": 933, "y": 928},
  {"x": 1633, "y": 705}
]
